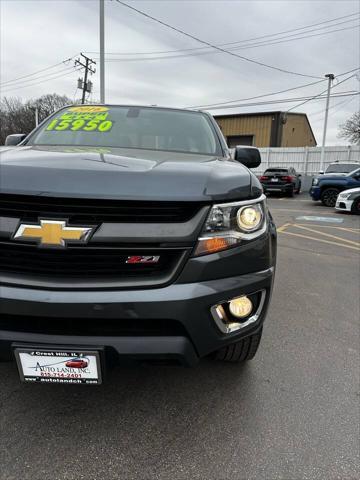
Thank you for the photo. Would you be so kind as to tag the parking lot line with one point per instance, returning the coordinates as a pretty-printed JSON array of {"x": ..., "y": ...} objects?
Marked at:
[
  {"x": 282, "y": 228},
  {"x": 321, "y": 240},
  {"x": 326, "y": 234},
  {"x": 296, "y": 210},
  {"x": 345, "y": 229},
  {"x": 284, "y": 199}
]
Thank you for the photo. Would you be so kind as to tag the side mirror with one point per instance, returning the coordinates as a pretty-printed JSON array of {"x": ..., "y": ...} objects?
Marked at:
[
  {"x": 321, "y": 172},
  {"x": 248, "y": 156},
  {"x": 14, "y": 139},
  {"x": 299, "y": 175}
]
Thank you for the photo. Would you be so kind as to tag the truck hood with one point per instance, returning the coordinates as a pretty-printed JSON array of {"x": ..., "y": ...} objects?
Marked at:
[
  {"x": 126, "y": 174},
  {"x": 332, "y": 176}
]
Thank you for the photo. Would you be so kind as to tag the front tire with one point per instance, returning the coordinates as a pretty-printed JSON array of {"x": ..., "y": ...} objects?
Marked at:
[
  {"x": 329, "y": 196},
  {"x": 240, "y": 351},
  {"x": 355, "y": 209}
]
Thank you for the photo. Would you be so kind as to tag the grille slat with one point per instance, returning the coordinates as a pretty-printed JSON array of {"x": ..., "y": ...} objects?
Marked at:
[
  {"x": 96, "y": 211},
  {"x": 89, "y": 262}
]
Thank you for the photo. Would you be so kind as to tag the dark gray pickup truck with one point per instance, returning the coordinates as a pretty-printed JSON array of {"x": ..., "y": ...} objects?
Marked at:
[{"x": 129, "y": 231}]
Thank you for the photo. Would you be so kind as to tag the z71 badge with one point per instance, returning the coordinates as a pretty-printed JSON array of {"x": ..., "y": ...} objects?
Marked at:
[{"x": 143, "y": 259}]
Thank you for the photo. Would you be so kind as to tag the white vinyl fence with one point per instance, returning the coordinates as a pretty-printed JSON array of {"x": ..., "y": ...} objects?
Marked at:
[{"x": 306, "y": 160}]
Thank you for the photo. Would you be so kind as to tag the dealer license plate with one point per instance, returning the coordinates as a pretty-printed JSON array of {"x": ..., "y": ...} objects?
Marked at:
[{"x": 58, "y": 366}]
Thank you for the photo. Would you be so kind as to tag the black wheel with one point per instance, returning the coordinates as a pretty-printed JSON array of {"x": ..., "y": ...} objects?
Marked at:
[
  {"x": 299, "y": 189},
  {"x": 240, "y": 351},
  {"x": 290, "y": 193},
  {"x": 356, "y": 206},
  {"x": 329, "y": 196}
]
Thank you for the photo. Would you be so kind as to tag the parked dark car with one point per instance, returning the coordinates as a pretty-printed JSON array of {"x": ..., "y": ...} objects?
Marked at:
[
  {"x": 130, "y": 231},
  {"x": 327, "y": 187},
  {"x": 281, "y": 180}
]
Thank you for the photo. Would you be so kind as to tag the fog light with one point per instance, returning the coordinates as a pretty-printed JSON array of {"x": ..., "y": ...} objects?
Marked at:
[{"x": 240, "y": 307}]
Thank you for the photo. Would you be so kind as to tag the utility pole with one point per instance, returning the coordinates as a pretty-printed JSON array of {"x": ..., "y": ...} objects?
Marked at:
[
  {"x": 330, "y": 78},
  {"x": 86, "y": 85},
  {"x": 102, "y": 53},
  {"x": 36, "y": 116}
]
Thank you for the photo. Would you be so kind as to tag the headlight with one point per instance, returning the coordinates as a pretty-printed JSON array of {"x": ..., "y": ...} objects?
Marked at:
[
  {"x": 249, "y": 218},
  {"x": 315, "y": 181},
  {"x": 344, "y": 195},
  {"x": 229, "y": 224}
]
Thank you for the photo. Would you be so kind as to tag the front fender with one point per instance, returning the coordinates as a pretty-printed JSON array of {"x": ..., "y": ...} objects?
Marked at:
[{"x": 333, "y": 184}]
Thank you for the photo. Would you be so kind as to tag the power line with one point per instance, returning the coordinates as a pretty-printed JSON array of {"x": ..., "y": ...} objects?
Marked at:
[
  {"x": 349, "y": 71},
  {"x": 306, "y": 99},
  {"x": 257, "y": 96},
  {"x": 41, "y": 77},
  {"x": 246, "y": 40},
  {"x": 212, "y": 52},
  {"x": 287, "y": 100},
  {"x": 42, "y": 81},
  {"x": 38, "y": 71},
  {"x": 333, "y": 107},
  {"x": 268, "y": 94},
  {"x": 211, "y": 45},
  {"x": 334, "y": 86}
]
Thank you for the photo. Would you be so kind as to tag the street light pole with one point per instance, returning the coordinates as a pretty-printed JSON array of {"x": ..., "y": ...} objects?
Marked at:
[
  {"x": 102, "y": 53},
  {"x": 330, "y": 78}
]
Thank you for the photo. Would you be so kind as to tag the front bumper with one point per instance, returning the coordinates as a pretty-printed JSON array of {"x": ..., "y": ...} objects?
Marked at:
[
  {"x": 187, "y": 304},
  {"x": 275, "y": 187},
  {"x": 343, "y": 205},
  {"x": 315, "y": 193}
]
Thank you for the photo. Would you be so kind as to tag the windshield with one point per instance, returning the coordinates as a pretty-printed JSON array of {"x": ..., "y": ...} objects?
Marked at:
[
  {"x": 129, "y": 127},
  {"x": 342, "y": 168}
]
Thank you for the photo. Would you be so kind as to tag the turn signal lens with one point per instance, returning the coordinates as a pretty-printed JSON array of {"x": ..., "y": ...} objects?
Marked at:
[
  {"x": 213, "y": 244},
  {"x": 240, "y": 307},
  {"x": 249, "y": 218}
]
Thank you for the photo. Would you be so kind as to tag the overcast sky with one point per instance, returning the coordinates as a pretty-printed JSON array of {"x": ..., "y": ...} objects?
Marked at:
[{"x": 36, "y": 34}]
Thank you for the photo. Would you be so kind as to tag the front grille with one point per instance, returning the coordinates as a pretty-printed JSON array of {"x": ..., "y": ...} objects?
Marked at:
[
  {"x": 95, "y": 265},
  {"x": 85, "y": 262},
  {"x": 95, "y": 211},
  {"x": 91, "y": 326}
]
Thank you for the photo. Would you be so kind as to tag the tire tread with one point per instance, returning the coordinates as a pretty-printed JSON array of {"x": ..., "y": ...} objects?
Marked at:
[{"x": 240, "y": 351}]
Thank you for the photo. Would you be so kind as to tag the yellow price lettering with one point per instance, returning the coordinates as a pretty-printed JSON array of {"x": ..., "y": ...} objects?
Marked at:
[
  {"x": 51, "y": 125},
  {"x": 77, "y": 125},
  {"x": 63, "y": 125},
  {"x": 91, "y": 126},
  {"x": 105, "y": 126}
]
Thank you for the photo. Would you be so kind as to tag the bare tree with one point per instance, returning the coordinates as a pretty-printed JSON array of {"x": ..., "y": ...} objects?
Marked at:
[
  {"x": 19, "y": 117},
  {"x": 351, "y": 129}
]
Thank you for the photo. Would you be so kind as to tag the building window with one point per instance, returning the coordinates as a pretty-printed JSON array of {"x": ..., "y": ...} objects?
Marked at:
[{"x": 235, "y": 140}]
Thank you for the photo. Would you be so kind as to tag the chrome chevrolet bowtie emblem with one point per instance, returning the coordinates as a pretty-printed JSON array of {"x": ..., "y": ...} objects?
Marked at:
[{"x": 52, "y": 233}]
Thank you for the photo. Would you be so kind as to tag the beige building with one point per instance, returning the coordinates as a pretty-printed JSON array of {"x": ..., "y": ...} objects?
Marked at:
[{"x": 267, "y": 129}]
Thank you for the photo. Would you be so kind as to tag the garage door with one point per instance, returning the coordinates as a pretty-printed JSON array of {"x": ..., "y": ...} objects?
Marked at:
[{"x": 234, "y": 140}]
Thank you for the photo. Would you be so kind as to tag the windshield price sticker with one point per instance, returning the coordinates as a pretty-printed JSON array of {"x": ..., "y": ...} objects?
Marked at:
[{"x": 82, "y": 119}]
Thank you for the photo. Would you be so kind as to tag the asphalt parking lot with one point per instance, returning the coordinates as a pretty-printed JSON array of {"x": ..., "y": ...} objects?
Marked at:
[{"x": 291, "y": 413}]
